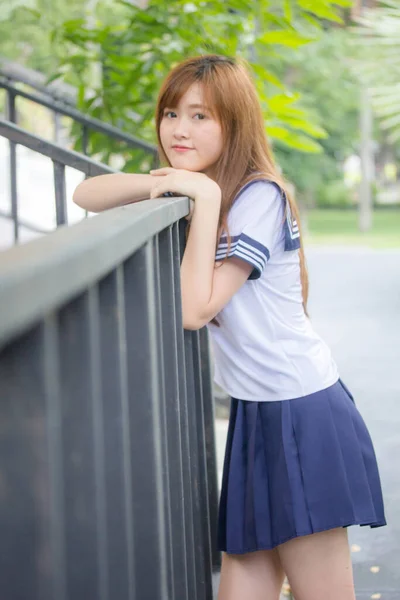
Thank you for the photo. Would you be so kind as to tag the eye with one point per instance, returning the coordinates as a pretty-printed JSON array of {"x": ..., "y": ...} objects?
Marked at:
[
  {"x": 200, "y": 115},
  {"x": 169, "y": 112}
]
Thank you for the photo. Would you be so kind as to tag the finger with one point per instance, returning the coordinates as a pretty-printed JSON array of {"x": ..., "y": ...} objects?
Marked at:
[
  {"x": 154, "y": 193},
  {"x": 158, "y": 191},
  {"x": 163, "y": 171}
]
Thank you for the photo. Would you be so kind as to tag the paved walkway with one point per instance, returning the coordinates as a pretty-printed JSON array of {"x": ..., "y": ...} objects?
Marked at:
[{"x": 355, "y": 306}]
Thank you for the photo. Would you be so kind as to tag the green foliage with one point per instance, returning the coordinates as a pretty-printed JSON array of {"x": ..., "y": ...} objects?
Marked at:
[
  {"x": 377, "y": 62},
  {"x": 341, "y": 227},
  {"x": 118, "y": 58},
  {"x": 25, "y": 27},
  {"x": 333, "y": 193},
  {"x": 329, "y": 94}
]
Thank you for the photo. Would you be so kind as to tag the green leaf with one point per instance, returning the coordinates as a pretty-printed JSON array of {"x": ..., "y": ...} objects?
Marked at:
[
  {"x": 281, "y": 102},
  {"x": 312, "y": 20},
  {"x": 301, "y": 143},
  {"x": 284, "y": 38},
  {"x": 307, "y": 127},
  {"x": 53, "y": 77},
  {"x": 266, "y": 75},
  {"x": 287, "y": 9},
  {"x": 81, "y": 93},
  {"x": 320, "y": 9}
]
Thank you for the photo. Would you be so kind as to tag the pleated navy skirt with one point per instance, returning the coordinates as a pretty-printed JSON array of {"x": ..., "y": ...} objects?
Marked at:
[{"x": 296, "y": 467}]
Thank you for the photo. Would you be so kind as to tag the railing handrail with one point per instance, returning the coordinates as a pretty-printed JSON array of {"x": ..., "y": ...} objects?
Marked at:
[
  {"x": 12, "y": 74},
  {"x": 44, "y": 274},
  {"x": 90, "y": 122},
  {"x": 59, "y": 90},
  {"x": 57, "y": 153}
]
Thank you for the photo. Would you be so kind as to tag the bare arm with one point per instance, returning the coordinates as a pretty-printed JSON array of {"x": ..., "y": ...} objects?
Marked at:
[
  {"x": 107, "y": 191},
  {"x": 198, "y": 261},
  {"x": 205, "y": 288}
]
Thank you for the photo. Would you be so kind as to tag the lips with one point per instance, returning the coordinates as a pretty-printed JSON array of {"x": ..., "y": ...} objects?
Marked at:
[{"x": 181, "y": 148}]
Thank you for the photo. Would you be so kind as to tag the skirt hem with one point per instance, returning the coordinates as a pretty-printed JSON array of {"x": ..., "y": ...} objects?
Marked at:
[
  {"x": 372, "y": 524},
  {"x": 294, "y": 468}
]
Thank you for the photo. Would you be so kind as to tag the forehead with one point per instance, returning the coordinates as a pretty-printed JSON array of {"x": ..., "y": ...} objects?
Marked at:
[{"x": 193, "y": 95}]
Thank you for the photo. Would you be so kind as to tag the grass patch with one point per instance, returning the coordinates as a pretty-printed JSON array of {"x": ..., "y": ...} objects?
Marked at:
[{"x": 341, "y": 227}]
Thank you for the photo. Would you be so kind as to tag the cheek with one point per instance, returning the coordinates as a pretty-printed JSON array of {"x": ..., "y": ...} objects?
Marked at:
[
  {"x": 213, "y": 139},
  {"x": 164, "y": 138},
  {"x": 163, "y": 132}
]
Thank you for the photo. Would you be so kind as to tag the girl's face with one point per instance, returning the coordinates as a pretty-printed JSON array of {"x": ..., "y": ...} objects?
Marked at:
[{"x": 191, "y": 137}]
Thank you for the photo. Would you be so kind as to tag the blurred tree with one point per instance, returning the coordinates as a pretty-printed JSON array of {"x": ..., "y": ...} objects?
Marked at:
[
  {"x": 25, "y": 27},
  {"x": 136, "y": 47},
  {"x": 377, "y": 62},
  {"x": 322, "y": 73}
]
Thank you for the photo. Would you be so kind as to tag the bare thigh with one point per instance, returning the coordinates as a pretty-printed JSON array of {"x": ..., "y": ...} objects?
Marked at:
[
  {"x": 253, "y": 576},
  {"x": 319, "y": 566}
]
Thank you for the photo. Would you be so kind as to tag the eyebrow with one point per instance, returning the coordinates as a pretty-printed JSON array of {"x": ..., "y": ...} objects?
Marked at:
[
  {"x": 194, "y": 106},
  {"x": 198, "y": 106}
]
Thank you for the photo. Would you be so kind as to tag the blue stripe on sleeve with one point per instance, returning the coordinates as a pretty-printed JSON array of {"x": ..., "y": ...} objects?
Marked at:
[{"x": 249, "y": 250}]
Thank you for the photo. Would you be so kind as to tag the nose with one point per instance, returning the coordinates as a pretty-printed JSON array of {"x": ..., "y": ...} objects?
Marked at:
[{"x": 181, "y": 128}]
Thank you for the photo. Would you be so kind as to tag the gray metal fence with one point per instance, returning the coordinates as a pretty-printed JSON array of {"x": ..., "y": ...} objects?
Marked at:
[
  {"x": 108, "y": 486},
  {"x": 61, "y": 158},
  {"x": 12, "y": 77}
]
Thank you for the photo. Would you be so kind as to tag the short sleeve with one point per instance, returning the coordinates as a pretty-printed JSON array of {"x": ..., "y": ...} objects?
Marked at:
[{"x": 255, "y": 224}]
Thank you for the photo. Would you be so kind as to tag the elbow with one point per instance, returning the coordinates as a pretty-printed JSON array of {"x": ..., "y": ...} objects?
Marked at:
[
  {"x": 192, "y": 326},
  {"x": 80, "y": 197},
  {"x": 193, "y": 322}
]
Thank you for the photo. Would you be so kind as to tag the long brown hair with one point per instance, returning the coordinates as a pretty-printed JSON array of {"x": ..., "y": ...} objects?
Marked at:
[{"x": 230, "y": 91}]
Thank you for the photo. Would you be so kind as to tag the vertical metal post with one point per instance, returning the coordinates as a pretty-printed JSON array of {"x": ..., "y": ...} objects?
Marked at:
[
  {"x": 198, "y": 574},
  {"x": 85, "y": 145},
  {"x": 211, "y": 456},
  {"x": 95, "y": 379},
  {"x": 26, "y": 490},
  {"x": 80, "y": 465},
  {"x": 149, "y": 528},
  {"x": 85, "y": 139},
  {"x": 57, "y": 126},
  {"x": 204, "y": 560},
  {"x": 12, "y": 116},
  {"x": 60, "y": 193},
  {"x": 51, "y": 376},
  {"x": 186, "y": 403},
  {"x": 161, "y": 345},
  {"x": 117, "y": 442},
  {"x": 175, "y": 401}
]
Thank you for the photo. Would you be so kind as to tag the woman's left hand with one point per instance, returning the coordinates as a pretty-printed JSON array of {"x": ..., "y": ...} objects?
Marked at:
[{"x": 180, "y": 181}]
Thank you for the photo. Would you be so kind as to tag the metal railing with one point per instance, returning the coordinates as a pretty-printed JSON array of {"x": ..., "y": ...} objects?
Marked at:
[
  {"x": 108, "y": 486},
  {"x": 60, "y": 103},
  {"x": 108, "y": 479},
  {"x": 60, "y": 157}
]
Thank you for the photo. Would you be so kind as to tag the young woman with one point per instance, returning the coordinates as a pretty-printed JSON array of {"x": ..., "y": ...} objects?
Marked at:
[{"x": 299, "y": 466}]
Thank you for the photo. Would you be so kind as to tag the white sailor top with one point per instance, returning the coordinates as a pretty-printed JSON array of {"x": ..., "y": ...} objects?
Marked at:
[{"x": 265, "y": 348}]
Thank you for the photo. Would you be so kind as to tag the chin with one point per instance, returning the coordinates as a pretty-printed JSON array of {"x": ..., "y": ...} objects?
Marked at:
[{"x": 181, "y": 164}]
